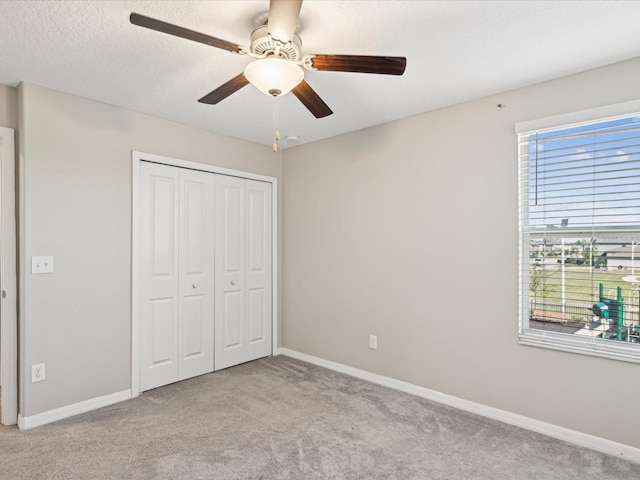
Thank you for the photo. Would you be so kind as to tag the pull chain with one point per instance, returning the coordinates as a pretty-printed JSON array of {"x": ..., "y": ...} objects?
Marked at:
[{"x": 277, "y": 134}]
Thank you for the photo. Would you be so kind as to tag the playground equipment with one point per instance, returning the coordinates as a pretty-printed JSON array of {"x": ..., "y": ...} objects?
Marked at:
[{"x": 611, "y": 310}]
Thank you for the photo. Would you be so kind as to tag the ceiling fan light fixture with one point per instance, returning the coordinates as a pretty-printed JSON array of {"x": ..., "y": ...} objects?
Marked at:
[{"x": 274, "y": 76}]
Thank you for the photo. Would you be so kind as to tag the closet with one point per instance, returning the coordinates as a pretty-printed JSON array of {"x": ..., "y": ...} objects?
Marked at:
[{"x": 205, "y": 273}]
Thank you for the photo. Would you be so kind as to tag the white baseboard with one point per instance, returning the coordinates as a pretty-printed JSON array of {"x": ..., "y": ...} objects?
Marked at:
[
  {"x": 577, "y": 438},
  {"x": 25, "y": 423}
]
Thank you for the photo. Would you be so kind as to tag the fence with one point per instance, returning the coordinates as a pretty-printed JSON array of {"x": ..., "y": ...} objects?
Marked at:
[{"x": 575, "y": 313}]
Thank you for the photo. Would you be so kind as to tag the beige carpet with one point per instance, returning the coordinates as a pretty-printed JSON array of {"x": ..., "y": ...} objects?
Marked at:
[{"x": 280, "y": 418}]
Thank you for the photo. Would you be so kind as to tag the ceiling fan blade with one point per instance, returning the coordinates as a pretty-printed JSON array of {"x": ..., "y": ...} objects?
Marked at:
[
  {"x": 164, "y": 27},
  {"x": 283, "y": 19},
  {"x": 311, "y": 100},
  {"x": 223, "y": 91},
  {"x": 359, "y": 64}
]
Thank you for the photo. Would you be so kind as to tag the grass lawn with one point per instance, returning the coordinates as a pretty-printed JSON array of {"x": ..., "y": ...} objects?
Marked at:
[{"x": 581, "y": 284}]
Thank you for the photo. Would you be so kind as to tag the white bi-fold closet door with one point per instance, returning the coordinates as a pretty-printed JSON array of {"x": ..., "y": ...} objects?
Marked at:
[
  {"x": 176, "y": 274},
  {"x": 205, "y": 272},
  {"x": 243, "y": 271}
]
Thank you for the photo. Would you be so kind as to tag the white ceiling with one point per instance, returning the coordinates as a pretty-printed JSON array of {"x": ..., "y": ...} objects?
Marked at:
[{"x": 456, "y": 51}]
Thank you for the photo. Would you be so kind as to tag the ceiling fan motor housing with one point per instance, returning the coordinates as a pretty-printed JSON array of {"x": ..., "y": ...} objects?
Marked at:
[{"x": 263, "y": 45}]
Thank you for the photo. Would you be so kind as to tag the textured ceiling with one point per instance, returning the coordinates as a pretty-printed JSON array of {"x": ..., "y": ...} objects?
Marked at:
[{"x": 456, "y": 51}]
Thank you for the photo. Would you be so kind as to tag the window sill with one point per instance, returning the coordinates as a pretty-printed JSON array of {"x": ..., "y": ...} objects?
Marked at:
[{"x": 623, "y": 351}]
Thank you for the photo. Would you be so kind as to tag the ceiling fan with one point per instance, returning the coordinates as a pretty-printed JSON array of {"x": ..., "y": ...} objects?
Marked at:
[{"x": 277, "y": 68}]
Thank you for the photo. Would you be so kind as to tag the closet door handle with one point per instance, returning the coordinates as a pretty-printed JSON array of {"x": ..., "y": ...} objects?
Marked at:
[
  {"x": 233, "y": 282},
  {"x": 195, "y": 285}
]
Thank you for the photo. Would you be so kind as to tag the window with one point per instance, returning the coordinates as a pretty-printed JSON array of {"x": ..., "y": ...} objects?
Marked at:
[{"x": 580, "y": 236}]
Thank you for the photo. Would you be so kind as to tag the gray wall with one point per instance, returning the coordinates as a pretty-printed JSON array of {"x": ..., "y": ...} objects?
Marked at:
[
  {"x": 8, "y": 107},
  {"x": 75, "y": 166},
  {"x": 409, "y": 231}
]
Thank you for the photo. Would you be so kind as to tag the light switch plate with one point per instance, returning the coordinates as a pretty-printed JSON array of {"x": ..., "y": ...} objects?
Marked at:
[{"x": 42, "y": 264}]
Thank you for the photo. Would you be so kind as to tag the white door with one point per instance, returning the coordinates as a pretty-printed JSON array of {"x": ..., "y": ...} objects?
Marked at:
[
  {"x": 243, "y": 271},
  {"x": 8, "y": 281},
  {"x": 195, "y": 312},
  {"x": 258, "y": 271},
  {"x": 176, "y": 274}
]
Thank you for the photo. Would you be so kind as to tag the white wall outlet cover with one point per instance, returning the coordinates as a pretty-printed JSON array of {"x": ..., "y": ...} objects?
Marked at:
[
  {"x": 42, "y": 264},
  {"x": 37, "y": 373}
]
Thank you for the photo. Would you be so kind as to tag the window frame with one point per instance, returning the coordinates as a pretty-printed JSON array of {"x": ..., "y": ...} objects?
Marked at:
[{"x": 585, "y": 345}]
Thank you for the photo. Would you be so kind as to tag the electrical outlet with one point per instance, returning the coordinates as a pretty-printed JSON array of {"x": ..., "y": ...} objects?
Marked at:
[
  {"x": 42, "y": 264},
  {"x": 373, "y": 342},
  {"x": 37, "y": 373}
]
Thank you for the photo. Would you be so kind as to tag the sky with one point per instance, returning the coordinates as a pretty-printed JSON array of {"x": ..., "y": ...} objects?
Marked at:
[{"x": 588, "y": 174}]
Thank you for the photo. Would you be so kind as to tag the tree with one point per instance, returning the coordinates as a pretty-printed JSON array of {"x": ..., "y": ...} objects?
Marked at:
[
  {"x": 589, "y": 253},
  {"x": 538, "y": 284}
]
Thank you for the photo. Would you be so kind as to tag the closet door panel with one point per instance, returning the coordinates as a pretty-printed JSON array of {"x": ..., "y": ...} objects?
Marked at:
[
  {"x": 159, "y": 303},
  {"x": 259, "y": 270},
  {"x": 230, "y": 328},
  {"x": 197, "y": 223}
]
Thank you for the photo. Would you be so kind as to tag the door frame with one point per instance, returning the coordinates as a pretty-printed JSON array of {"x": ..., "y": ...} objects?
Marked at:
[
  {"x": 137, "y": 159},
  {"x": 8, "y": 279}
]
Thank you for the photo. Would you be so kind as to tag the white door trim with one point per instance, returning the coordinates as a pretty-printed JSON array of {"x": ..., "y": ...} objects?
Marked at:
[
  {"x": 138, "y": 157},
  {"x": 8, "y": 280}
]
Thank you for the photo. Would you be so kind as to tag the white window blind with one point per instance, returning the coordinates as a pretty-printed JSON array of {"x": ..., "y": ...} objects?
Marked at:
[
  {"x": 579, "y": 228},
  {"x": 588, "y": 175}
]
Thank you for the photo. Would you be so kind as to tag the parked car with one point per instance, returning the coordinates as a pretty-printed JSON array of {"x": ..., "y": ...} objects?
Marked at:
[{"x": 573, "y": 260}]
